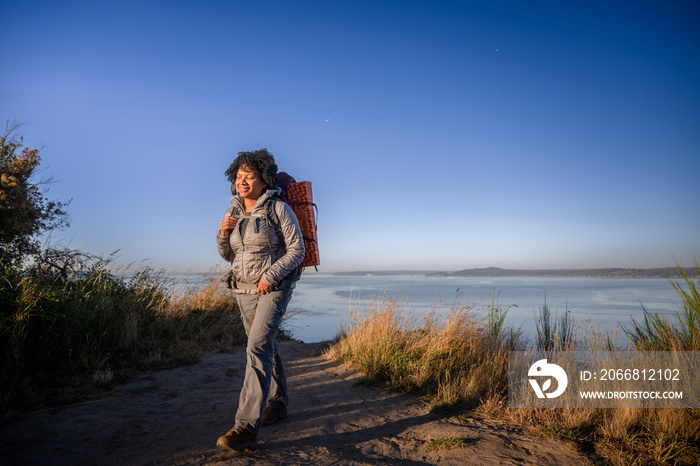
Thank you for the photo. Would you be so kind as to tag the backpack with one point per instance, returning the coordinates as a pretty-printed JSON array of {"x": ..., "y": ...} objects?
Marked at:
[{"x": 299, "y": 196}]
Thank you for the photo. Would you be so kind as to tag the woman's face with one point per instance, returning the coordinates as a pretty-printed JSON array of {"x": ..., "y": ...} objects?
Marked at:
[{"x": 248, "y": 183}]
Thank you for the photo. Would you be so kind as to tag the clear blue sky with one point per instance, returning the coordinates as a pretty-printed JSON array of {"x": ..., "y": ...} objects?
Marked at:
[{"x": 437, "y": 134}]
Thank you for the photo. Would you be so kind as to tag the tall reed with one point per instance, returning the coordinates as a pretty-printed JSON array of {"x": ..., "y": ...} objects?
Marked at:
[
  {"x": 660, "y": 333},
  {"x": 553, "y": 335}
]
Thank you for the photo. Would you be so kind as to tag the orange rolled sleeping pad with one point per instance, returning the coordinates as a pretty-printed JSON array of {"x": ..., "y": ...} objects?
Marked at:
[{"x": 300, "y": 199}]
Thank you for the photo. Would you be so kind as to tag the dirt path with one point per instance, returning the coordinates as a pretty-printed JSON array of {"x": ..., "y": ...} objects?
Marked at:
[{"x": 174, "y": 418}]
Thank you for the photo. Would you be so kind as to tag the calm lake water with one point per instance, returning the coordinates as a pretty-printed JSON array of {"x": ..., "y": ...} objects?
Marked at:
[{"x": 321, "y": 302}]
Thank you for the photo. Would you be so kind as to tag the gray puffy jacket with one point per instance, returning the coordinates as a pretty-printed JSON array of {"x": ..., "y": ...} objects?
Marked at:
[{"x": 260, "y": 252}]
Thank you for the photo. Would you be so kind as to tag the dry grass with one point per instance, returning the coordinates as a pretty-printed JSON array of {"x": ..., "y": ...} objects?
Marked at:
[
  {"x": 621, "y": 436},
  {"x": 451, "y": 360}
]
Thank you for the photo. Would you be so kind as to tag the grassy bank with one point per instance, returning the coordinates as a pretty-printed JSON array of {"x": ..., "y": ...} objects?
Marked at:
[
  {"x": 66, "y": 337},
  {"x": 454, "y": 360},
  {"x": 458, "y": 363}
]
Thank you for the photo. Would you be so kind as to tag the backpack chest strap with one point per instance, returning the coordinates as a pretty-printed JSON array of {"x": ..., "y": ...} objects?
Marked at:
[{"x": 243, "y": 215}]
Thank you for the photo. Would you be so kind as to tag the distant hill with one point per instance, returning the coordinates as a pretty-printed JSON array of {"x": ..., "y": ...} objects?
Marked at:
[{"x": 612, "y": 272}]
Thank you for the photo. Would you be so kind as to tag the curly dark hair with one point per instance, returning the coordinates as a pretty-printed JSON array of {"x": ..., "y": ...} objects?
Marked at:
[{"x": 259, "y": 160}]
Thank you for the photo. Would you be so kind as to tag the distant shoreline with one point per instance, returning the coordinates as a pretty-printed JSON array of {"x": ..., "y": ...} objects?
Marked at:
[{"x": 490, "y": 272}]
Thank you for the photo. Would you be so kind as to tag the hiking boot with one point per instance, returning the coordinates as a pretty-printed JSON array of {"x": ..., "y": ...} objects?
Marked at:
[
  {"x": 271, "y": 415},
  {"x": 238, "y": 439}
]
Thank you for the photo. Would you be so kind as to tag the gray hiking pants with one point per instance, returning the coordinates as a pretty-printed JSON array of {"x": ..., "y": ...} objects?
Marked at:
[{"x": 265, "y": 382}]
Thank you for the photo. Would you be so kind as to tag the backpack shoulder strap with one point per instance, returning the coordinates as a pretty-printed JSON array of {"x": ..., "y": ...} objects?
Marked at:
[
  {"x": 274, "y": 222},
  {"x": 273, "y": 218}
]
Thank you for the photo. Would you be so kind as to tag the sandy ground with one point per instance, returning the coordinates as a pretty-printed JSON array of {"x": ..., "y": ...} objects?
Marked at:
[{"x": 174, "y": 417}]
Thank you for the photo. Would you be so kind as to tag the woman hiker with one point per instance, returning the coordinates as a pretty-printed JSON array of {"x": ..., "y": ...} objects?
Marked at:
[{"x": 264, "y": 259}]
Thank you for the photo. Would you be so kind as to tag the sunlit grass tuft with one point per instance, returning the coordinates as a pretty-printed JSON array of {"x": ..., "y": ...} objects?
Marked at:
[
  {"x": 445, "y": 444},
  {"x": 452, "y": 359}
]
